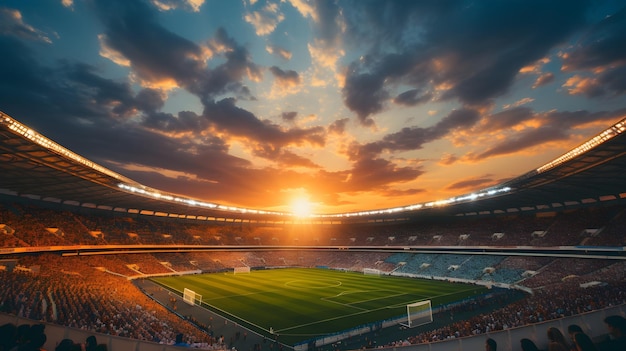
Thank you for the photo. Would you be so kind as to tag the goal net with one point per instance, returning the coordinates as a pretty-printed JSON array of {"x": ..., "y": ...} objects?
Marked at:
[
  {"x": 191, "y": 297},
  {"x": 371, "y": 271},
  {"x": 238, "y": 270},
  {"x": 418, "y": 313}
]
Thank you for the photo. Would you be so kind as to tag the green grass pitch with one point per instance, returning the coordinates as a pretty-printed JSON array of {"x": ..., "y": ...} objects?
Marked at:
[{"x": 302, "y": 303}]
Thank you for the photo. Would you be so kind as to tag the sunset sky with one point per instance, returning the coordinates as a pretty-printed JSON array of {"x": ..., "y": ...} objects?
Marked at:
[{"x": 346, "y": 105}]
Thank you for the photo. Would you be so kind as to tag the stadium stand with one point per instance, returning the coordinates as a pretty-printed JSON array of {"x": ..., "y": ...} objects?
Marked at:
[{"x": 80, "y": 267}]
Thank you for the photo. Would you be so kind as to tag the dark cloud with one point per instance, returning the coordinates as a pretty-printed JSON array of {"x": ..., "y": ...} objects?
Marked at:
[
  {"x": 150, "y": 100},
  {"x": 372, "y": 174},
  {"x": 524, "y": 140},
  {"x": 415, "y": 137},
  {"x": 505, "y": 120},
  {"x": 74, "y": 100},
  {"x": 12, "y": 24},
  {"x": 610, "y": 83},
  {"x": 328, "y": 26},
  {"x": 544, "y": 79},
  {"x": 338, "y": 126},
  {"x": 411, "y": 98},
  {"x": 602, "y": 45},
  {"x": 60, "y": 99},
  {"x": 601, "y": 51},
  {"x": 156, "y": 54},
  {"x": 184, "y": 121},
  {"x": 547, "y": 127},
  {"x": 284, "y": 157},
  {"x": 615, "y": 80},
  {"x": 371, "y": 170},
  {"x": 364, "y": 94},
  {"x": 285, "y": 78},
  {"x": 227, "y": 76},
  {"x": 475, "y": 51},
  {"x": 415, "y": 52},
  {"x": 237, "y": 121},
  {"x": 289, "y": 116},
  {"x": 118, "y": 96}
]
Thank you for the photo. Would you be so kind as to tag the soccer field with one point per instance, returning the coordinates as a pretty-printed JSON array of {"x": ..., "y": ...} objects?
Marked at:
[{"x": 300, "y": 303}]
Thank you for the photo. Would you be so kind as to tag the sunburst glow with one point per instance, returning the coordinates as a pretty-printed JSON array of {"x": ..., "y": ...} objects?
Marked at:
[{"x": 301, "y": 207}]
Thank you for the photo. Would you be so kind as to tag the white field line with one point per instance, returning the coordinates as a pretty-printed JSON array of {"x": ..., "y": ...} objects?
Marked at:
[
  {"x": 357, "y": 313},
  {"x": 361, "y": 310}
]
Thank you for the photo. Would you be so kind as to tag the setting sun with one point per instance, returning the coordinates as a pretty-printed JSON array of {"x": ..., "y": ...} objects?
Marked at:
[{"x": 301, "y": 207}]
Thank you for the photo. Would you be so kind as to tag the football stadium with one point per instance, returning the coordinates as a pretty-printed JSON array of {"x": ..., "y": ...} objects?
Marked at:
[
  {"x": 313, "y": 175},
  {"x": 89, "y": 252}
]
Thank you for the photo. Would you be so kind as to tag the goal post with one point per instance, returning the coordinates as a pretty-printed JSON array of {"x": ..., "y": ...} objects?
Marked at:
[
  {"x": 191, "y": 297},
  {"x": 371, "y": 271},
  {"x": 418, "y": 313},
  {"x": 238, "y": 270}
]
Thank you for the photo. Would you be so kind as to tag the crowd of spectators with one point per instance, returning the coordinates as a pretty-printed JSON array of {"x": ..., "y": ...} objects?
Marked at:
[
  {"x": 93, "y": 293},
  {"x": 549, "y": 304},
  {"x": 70, "y": 292},
  {"x": 35, "y": 226}
]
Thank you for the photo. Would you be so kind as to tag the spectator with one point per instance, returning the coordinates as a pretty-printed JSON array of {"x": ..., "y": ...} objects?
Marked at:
[
  {"x": 556, "y": 340},
  {"x": 491, "y": 345},
  {"x": 36, "y": 338},
  {"x": 616, "y": 340},
  {"x": 67, "y": 345},
  {"x": 584, "y": 343},
  {"x": 8, "y": 334},
  {"x": 572, "y": 330},
  {"x": 179, "y": 341},
  {"x": 528, "y": 345},
  {"x": 91, "y": 344}
]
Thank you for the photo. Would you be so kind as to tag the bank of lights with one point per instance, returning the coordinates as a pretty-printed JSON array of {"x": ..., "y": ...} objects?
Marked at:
[
  {"x": 607, "y": 134},
  {"x": 197, "y": 203},
  {"x": 414, "y": 207},
  {"x": 145, "y": 191},
  {"x": 39, "y": 139}
]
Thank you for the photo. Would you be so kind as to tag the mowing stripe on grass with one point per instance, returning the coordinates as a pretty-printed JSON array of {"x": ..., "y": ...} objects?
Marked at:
[{"x": 306, "y": 302}]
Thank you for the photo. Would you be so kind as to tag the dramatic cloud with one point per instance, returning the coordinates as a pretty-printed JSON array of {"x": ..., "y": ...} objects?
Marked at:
[
  {"x": 534, "y": 129},
  {"x": 338, "y": 126},
  {"x": 289, "y": 116},
  {"x": 544, "y": 79},
  {"x": 357, "y": 104},
  {"x": 603, "y": 52},
  {"x": 11, "y": 23},
  {"x": 239, "y": 122},
  {"x": 414, "y": 138},
  {"x": 474, "y": 60},
  {"x": 285, "y": 79},
  {"x": 412, "y": 98}
]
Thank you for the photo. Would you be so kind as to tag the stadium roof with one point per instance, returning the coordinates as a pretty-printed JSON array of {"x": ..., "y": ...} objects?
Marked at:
[{"x": 34, "y": 167}]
